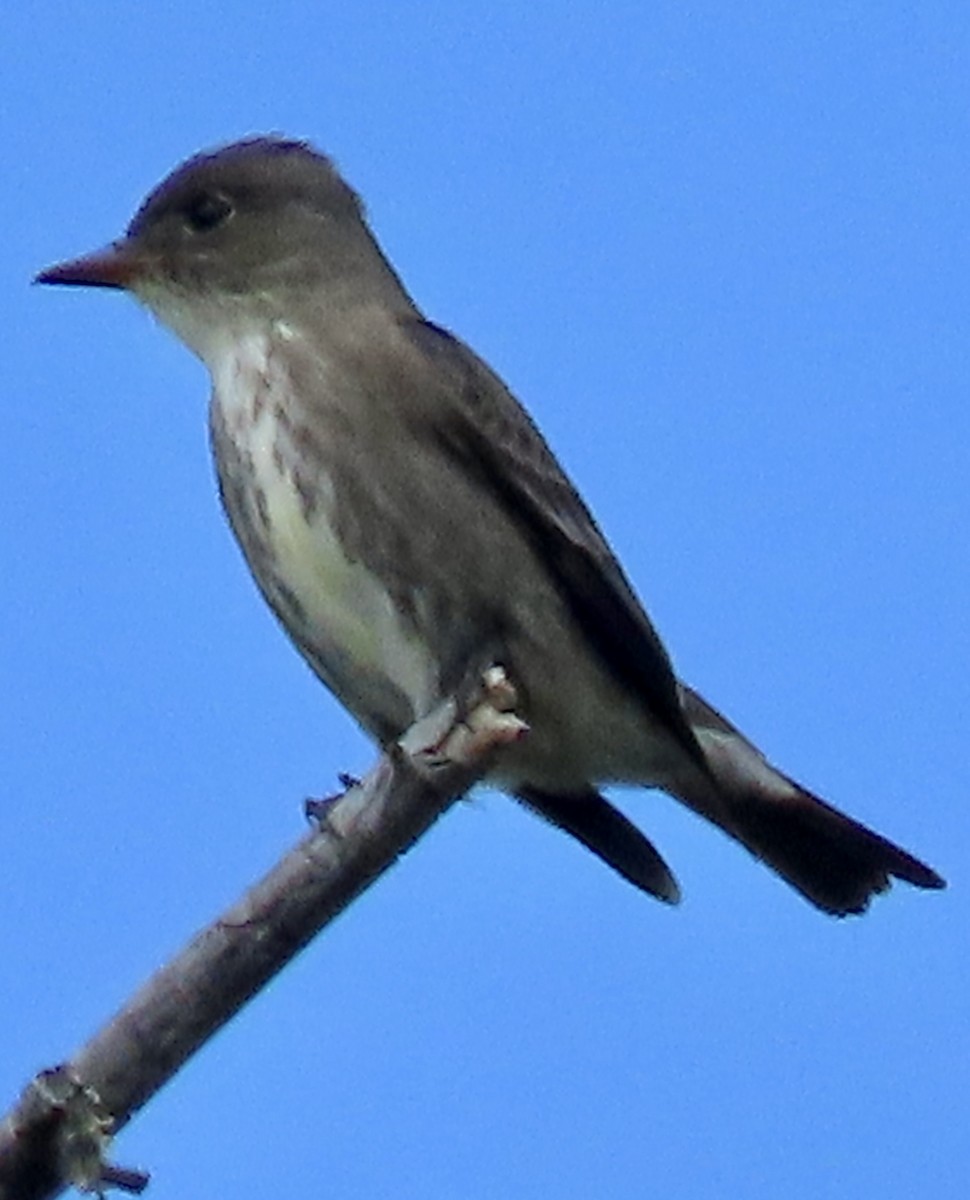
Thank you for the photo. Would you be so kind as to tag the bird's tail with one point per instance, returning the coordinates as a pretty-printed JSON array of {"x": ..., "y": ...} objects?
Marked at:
[
  {"x": 592, "y": 820},
  {"x": 836, "y": 862}
]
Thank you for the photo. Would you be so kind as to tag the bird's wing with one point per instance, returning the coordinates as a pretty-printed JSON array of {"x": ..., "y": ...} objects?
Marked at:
[{"x": 485, "y": 429}]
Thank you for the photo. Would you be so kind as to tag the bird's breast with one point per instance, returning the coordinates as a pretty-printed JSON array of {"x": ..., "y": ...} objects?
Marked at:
[{"x": 281, "y": 493}]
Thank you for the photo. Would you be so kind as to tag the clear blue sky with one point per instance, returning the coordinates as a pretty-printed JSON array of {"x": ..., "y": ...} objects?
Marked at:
[{"x": 721, "y": 252}]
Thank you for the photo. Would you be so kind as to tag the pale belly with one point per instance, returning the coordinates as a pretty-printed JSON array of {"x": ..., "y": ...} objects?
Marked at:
[{"x": 342, "y": 603}]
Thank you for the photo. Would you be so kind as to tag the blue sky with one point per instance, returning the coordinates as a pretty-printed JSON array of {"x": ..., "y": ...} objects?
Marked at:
[{"x": 720, "y": 251}]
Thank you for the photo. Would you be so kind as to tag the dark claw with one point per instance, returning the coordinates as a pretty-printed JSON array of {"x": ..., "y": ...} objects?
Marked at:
[
  {"x": 125, "y": 1180},
  {"x": 315, "y": 808}
]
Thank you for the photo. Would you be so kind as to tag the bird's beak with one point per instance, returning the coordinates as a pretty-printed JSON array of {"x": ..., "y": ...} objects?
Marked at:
[{"x": 116, "y": 266}]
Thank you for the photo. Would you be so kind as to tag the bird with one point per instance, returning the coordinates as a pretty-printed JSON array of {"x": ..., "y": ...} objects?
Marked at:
[{"x": 409, "y": 525}]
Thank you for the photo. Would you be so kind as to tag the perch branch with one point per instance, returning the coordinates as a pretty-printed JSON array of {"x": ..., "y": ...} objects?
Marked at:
[{"x": 58, "y": 1131}]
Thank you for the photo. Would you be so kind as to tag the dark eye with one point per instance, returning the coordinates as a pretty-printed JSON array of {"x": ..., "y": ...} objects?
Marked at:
[{"x": 206, "y": 211}]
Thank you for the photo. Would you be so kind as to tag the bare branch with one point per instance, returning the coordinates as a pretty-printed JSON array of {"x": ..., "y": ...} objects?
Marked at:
[{"x": 57, "y": 1132}]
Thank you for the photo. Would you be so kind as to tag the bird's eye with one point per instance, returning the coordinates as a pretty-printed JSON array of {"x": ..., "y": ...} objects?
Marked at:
[{"x": 206, "y": 211}]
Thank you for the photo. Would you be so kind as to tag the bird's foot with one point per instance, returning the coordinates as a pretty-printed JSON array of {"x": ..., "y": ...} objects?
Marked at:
[
  {"x": 485, "y": 721},
  {"x": 315, "y": 808}
]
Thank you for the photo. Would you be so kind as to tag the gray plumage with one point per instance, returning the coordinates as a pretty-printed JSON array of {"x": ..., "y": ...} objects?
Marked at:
[{"x": 409, "y": 525}]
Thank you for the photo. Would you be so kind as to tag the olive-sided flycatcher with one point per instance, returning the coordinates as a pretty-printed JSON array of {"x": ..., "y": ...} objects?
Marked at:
[{"x": 409, "y": 525}]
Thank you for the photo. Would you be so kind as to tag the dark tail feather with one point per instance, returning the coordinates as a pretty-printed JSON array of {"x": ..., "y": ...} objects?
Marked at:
[
  {"x": 608, "y": 833},
  {"x": 836, "y": 862}
]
